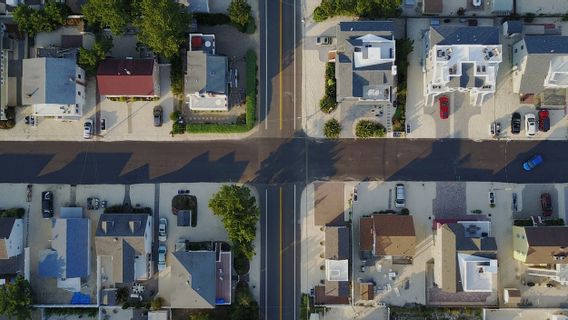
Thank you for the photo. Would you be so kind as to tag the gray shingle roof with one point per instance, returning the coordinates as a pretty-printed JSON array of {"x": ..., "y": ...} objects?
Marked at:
[
  {"x": 547, "y": 44},
  {"x": 206, "y": 73},
  {"x": 448, "y": 35},
  {"x": 6, "y": 225},
  {"x": 366, "y": 26},
  {"x": 122, "y": 225},
  {"x": 200, "y": 265}
]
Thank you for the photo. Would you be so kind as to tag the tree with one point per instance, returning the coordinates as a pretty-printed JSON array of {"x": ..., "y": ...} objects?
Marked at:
[
  {"x": 16, "y": 299},
  {"x": 114, "y": 14},
  {"x": 239, "y": 213},
  {"x": 244, "y": 306},
  {"x": 332, "y": 129},
  {"x": 240, "y": 13},
  {"x": 200, "y": 316},
  {"x": 90, "y": 59},
  {"x": 369, "y": 129},
  {"x": 47, "y": 19},
  {"x": 162, "y": 25}
]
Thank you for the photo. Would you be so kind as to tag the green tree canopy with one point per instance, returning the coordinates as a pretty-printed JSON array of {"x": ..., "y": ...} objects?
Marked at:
[
  {"x": 16, "y": 299},
  {"x": 90, "y": 59},
  {"x": 239, "y": 213},
  {"x": 240, "y": 13},
  {"x": 244, "y": 306},
  {"x": 162, "y": 25},
  {"x": 114, "y": 14},
  {"x": 332, "y": 129},
  {"x": 46, "y": 19}
]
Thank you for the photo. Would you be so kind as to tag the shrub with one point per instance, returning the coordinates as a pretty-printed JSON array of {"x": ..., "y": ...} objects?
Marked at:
[
  {"x": 461, "y": 11},
  {"x": 369, "y": 129},
  {"x": 332, "y": 129},
  {"x": 216, "y": 128},
  {"x": 175, "y": 115},
  {"x": 178, "y": 128},
  {"x": 10, "y": 113},
  {"x": 240, "y": 14},
  {"x": 211, "y": 19},
  {"x": 329, "y": 101},
  {"x": 46, "y": 19},
  {"x": 371, "y": 9},
  {"x": 13, "y": 213},
  {"x": 176, "y": 75},
  {"x": 241, "y": 264},
  {"x": 529, "y": 17},
  {"x": 251, "y": 88},
  {"x": 523, "y": 223},
  {"x": 156, "y": 303},
  {"x": 565, "y": 17}
]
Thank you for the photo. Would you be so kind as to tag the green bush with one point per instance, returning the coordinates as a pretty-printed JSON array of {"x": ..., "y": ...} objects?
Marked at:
[
  {"x": 241, "y": 264},
  {"x": 10, "y": 113},
  {"x": 13, "y": 213},
  {"x": 332, "y": 129},
  {"x": 216, "y": 128},
  {"x": 523, "y": 223},
  {"x": 404, "y": 212},
  {"x": 370, "y": 9},
  {"x": 369, "y": 129},
  {"x": 89, "y": 312},
  {"x": 529, "y": 17},
  {"x": 211, "y": 19},
  {"x": 46, "y": 19},
  {"x": 156, "y": 303},
  {"x": 251, "y": 87},
  {"x": 177, "y": 75},
  {"x": 554, "y": 222},
  {"x": 565, "y": 17},
  {"x": 175, "y": 115},
  {"x": 178, "y": 128},
  {"x": 329, "y": 101}
]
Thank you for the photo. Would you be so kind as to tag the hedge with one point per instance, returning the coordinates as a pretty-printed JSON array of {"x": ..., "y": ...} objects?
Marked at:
[
  {"x": 211, "y": 19},
  {"x": 252, "y": 88},
  {"x": 216, "y": 128},
  {"x": 329, "y": 101},
  {"x": 369, "y": 129},
  {"x": 13, "y": 213}
]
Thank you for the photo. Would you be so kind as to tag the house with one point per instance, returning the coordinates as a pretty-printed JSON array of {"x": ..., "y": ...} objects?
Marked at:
[
  {"x": 54, "y": 87},
  {"x": 540, "y": 65},
  {"x": 540, "y": 245},
  {"x": 11, "y": 238},
  {"x": 386, "y": 235},
  {"x": 336, "y": 288},
  {"x": 206, "y": 82},
  {"x": 199, "y": 279},
  {"x": 512, "y": 28},
  {"x": 364, "y": 67},
  {"x": 466, "y": 258},
  {"x": 123, "y": 243},
  {"x": 133, "y": 78},
  {"x": 461, "y": 59},
  {"x": 432, "y": 7},
  {"x": 69, "y": 258}
]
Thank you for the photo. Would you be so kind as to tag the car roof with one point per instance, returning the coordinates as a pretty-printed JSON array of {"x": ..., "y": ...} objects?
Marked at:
[{"x": 537, "y": 158}]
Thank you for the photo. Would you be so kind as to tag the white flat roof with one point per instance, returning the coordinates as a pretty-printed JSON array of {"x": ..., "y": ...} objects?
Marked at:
[
  {"x": 477, "y": 273},
  {"x": 57, "y": 110},
  {"x": 208, "y": 102},
  {"x": 337, "y": 270}
]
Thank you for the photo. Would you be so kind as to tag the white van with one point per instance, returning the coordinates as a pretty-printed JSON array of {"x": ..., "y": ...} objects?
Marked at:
[{"x": 399, "y": 201}]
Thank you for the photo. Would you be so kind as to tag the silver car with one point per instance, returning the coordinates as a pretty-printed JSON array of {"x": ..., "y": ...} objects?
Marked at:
[
  {"x": 163, "y": 230},
  {"x": 400, "y": 197},
  {"x": 162, "y": 257},
  {"x": 88, "y": 129}
]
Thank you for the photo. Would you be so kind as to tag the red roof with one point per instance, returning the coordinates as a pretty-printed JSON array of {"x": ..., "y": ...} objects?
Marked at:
[{"x": 126, "y": 77}]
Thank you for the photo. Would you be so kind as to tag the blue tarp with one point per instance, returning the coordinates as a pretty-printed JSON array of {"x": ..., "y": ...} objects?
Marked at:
[{"x": 80, "y": 298}]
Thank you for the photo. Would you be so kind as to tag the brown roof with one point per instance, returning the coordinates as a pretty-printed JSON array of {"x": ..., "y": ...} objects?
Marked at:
[
  {"x": 394, "y": 235},
  {"x": 367, "y": 291},
  {"x": 366, "y": 233},
  {"x": 329, "y": 204},
  {"x": 126, "y": 77},
  {"x": 433, "y": 6},
  {"x": 116, "y": 247},
  {"x": 546, "y": 242},
  {"x": 321, "y": 298},
  {"x": 337, "y": 242}
]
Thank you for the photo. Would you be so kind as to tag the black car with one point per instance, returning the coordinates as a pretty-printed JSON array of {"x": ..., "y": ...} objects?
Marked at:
[
  {"x": 47, "y": 204},
  {"x": 516, "y": 123}
]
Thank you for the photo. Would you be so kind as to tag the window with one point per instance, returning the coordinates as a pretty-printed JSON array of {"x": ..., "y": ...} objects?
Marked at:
[
  {"x": 515, "y": 50},
  {"x": 79, "y": 92},
  {"x": 522, "y": 47},
  {"x": 79, "y": 76}
]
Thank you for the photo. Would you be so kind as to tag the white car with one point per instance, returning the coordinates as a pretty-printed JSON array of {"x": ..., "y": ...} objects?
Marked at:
[
  {"x": 162, "y": 230},
  {"x": 530, "y": 124},
  {"x": 88, "y": 129},
  {"x": 161, "y": 257},
  {"x": 400, "y": 197}
]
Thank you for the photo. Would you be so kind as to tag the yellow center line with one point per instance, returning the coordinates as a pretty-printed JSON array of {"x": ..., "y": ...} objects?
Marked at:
[
  {"x": 280, "y": 73},
  {"x": 280, "y": 291}
]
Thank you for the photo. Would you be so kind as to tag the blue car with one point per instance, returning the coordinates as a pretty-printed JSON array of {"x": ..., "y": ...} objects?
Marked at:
[{"x": 533, "y": 162}]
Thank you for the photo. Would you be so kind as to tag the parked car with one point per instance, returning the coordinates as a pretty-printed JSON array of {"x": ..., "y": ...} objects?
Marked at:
[
  {"x": 491, "y": 198},
  {"x": 530, "y": 124},
  {"x": 161, "y": 257},
  {"x": 476, "y": 3},
  {"x": 516, "y": 123},
  {"x": 543, "y": 121},
  {"x": 495, "y": 128},
  {"x": 158, "y": 111},
  {"x": 323, "y": 41},
  {"x": 533, "y": 162},
  {"x": 47, "y": 204},
  {"x": 444, "y": 107},
  {"x": 355, "y": 197},
  {"x": 88, "y": 129},
  {"x": 546, "y": 204},
  {"x": 400, "y": 197},
  {"x": 163, "y": 230}
]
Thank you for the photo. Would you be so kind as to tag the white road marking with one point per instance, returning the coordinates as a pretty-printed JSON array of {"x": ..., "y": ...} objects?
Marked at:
[{"x": 295, "y": 243}]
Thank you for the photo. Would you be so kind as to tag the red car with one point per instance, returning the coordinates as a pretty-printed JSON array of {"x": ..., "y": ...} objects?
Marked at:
[
  {"x": 543, "y": 121},
  {"x": 444, "y": 107}
]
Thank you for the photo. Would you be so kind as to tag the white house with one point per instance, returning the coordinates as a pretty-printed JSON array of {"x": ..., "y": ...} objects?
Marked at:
[
  {"x": 461, "y": 59},
  {"x": 11, "y": 237}
]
